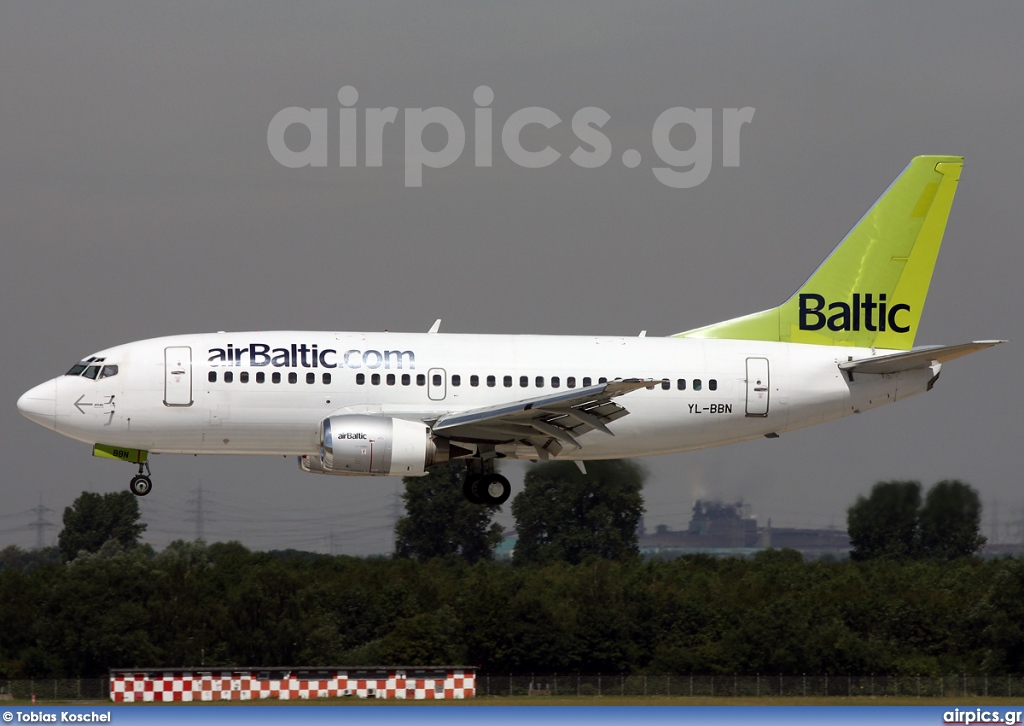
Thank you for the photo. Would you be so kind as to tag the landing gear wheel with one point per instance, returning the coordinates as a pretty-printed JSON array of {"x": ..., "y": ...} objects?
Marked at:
[
  {"x": 141, "y": 485},
  {"x": 493, "y": 489},
  {"x": 482, "y": 485},
  {"x": 470, "y": 491}
]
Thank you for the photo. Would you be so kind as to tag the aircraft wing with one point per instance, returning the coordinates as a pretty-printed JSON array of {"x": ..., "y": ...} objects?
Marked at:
[
  {"x": 915, "y": 358},
  {"x": 548, "y": 423}
]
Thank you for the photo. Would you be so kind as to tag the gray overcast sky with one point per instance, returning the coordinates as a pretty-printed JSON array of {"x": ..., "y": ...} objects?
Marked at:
[{"x": 138, "y": 198}]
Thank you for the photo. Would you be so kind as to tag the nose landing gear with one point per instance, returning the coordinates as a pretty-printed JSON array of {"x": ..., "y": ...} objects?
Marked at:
[{"x": 141, "y": 484}]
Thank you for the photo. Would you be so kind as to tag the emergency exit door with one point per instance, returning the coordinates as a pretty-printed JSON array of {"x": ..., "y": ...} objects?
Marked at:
[
  {"x": 758, "y": 389},
  {"x": 178, "y": 376},
  {"x": 437, "y": 384}
]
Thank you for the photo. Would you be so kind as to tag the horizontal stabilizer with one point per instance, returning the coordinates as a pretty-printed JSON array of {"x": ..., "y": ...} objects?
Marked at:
[{"x": 916, "y": 358}]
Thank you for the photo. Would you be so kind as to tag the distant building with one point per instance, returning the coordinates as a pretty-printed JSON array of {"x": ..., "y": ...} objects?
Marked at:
[
  {"x": 811, "y": 543},
  {"x": 724, "y": 530}
]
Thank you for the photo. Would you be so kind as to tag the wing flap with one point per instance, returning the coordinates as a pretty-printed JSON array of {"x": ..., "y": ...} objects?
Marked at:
[
  {"x": 547, "y": 423},
  {"x": 915, "y": 358}
]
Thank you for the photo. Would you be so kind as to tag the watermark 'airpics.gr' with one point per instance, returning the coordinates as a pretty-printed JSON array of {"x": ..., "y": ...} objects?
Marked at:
[{"x": 684, "y": 168}]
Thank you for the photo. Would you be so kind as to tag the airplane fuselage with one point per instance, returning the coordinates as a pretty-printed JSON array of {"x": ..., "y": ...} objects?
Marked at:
[{"x": 268, "y": 392}]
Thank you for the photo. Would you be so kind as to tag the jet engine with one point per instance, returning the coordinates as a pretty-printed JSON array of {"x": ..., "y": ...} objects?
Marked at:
[{"x": 363, "y": 445}]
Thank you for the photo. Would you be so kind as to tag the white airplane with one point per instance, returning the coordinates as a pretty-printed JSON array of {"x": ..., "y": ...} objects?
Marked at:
[{"x": 393, "y": 404}]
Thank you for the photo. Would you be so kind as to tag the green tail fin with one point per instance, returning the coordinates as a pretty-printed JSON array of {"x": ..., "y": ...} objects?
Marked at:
[{"x": 871, "y": 290}]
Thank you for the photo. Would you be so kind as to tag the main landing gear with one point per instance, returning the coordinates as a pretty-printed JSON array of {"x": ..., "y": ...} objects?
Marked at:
[
  {"x": 483, "y": 485},
  {"x": 141, "y": 484}
]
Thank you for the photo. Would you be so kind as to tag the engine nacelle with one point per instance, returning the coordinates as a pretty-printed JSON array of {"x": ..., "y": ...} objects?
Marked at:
[{"x": 363, "y": 445}]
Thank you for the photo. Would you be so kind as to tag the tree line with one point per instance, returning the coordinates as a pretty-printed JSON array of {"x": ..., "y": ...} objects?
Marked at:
[
  {"x": 564, "y": 515},
  {"x": 576, "y": 599},
  {"x": 220, "y": 605}
]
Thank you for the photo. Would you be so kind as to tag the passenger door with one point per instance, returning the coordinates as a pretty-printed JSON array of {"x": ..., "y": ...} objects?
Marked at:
[
  {"x": 178, "y": 376},
  {"x": 758, "y": 389}
]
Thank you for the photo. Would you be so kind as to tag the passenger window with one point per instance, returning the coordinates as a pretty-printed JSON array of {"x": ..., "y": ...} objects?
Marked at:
[
  {"x": 456, "y": 380},
  {"x": 391, "y": 379},
  {"x": 556, "y": 381},
  {"x": 712, "y": 384},
  {"x": 228, "y": 376},
  {"x": 326, "y": 378},
  {"x": 524, "y": 381},
  {"x": 212, "y": 377},
  {"x": 697, "y": 385},
  {"x": 421, "y": 380},
  {"x": 681, "y": 384},
  {"x": 243, "y": 377},
  {"x": 602, "y": 380},
  {"x": 375, "y": 379},
  {"x": 261, "y": 376},
  {"x": 293, "y": 377},
  {"x": 108, "y": 371},
  {"x": 275, "y": 377},
  {"x": 474, "y": 381},
  {"x": 586, "y": 382},
  {"x": 491, "y": 381},
  {"x": 91, "y": 372},
  {"x": 507, "y": 381},
  {"x": 311, "y": 377},
  {"x": 436, "y": 379},
  {"x": 570, "y": 382},
  {"x": 539, "y": 381},
  {"x": 666, "y": 385},
  {"x": 360, "y": 379},
  {"x": 406, "y": 380}
]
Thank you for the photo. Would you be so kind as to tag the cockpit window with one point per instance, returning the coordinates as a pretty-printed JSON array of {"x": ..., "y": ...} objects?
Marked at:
[{"x": 91, "y": 368}]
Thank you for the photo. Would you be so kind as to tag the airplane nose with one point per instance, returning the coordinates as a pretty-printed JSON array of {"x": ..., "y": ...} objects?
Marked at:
[{"x": 40, "y": 404}]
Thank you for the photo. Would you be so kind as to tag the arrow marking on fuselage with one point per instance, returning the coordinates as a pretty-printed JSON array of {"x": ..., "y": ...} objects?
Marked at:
[{"x": 94, "y": 406}]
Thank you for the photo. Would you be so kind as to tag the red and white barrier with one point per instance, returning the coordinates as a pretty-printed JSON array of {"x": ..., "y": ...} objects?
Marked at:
[{"x": 133, "y": 686}]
